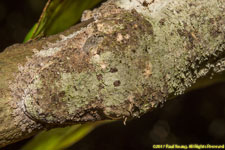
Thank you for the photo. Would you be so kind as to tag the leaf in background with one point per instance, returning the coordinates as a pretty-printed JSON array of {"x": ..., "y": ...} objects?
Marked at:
[
  {"x": 61, "y": 138},
  {"x": 30, "y": 33},
  {"x": 59, "y": 15}
]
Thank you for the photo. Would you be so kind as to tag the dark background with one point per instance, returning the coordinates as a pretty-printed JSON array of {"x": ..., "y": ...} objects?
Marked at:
[
  {"x": 16, "y": 19},
  {"x": 197, "y": 117}
]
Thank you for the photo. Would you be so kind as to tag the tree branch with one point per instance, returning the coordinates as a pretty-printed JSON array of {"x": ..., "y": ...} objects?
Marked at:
[{"x": 123, "y": 60}]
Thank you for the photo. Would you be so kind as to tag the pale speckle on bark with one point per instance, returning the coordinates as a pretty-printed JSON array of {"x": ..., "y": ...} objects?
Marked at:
[{"x": 123, "y": 60}]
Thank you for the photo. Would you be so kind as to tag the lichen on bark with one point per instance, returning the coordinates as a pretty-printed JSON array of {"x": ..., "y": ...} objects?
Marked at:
[
  {"x": 70, "y": 82},
  {"x": 121, "y": 62}
]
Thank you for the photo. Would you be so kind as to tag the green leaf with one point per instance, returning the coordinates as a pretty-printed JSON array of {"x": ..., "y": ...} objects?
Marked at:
[
  {"x": 30, "y": 33},
  {"x": 60, "y": 138},
  {"x": 59, "y": 15}
]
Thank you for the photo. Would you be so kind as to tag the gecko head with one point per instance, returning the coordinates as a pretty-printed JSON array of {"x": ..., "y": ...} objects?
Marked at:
[{"x": 91, "y": 74}]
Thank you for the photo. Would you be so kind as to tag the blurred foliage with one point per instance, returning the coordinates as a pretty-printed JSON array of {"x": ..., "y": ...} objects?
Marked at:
[
  {"x": 30, "y": 33},
  {"x": 57, "y": 16},
  {"x": 16, "y": 18},
  {"x": 60, "y": 138}
]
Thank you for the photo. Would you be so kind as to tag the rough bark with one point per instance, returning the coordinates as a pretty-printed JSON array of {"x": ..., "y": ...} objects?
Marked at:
[{"x": 124, "y": 59}]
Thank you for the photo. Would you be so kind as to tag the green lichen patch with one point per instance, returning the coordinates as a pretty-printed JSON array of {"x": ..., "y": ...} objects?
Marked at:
[
  {"x": 89, "y": 76},
  {"x": 122, "y": 65}
]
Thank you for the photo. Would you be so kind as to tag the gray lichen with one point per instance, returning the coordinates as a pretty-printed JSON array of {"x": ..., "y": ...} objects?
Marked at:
[
  {"x": 123, "y": 64},
  {"x": 126, "y": 59}
]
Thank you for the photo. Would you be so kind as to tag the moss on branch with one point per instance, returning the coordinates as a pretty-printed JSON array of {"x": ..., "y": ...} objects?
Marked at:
[{"x": 122, "y": 62}]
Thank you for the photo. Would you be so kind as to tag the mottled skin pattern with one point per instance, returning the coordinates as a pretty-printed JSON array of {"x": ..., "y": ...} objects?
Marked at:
[
  {"x": 85, "y": 77},
  {"x": 127, "y": 58}
]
